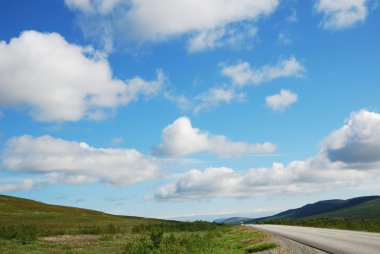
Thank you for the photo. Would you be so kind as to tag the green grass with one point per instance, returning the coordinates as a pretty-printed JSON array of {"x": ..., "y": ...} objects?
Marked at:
[
  {"x": 24, "y": 225},
  {"x": 370, "y": 225},
  {"x": 59, "y": 220},
  {"x": 261, "y": 247},
  {"x": 222, "y": 240}
]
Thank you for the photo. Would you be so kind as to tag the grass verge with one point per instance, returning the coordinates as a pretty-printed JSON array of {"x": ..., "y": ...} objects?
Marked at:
[{"x": 369, "y": 225}]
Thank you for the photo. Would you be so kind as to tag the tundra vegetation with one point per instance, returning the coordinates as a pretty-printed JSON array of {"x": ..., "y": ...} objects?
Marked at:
[{"x": 31, "y": 227}]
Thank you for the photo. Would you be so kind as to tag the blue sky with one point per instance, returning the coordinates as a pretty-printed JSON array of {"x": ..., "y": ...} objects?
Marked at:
[{"x": 191, "y": 109}]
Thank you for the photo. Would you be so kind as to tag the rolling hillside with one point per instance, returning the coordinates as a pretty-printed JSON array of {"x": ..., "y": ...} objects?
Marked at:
[
  {"x": 55, "y": 219},
  {"x": 333, "y": 209},
  {"x": 366, "y": 210},
  {"x": 28, "y": 226},
  {"x": 356, "y": 208}
]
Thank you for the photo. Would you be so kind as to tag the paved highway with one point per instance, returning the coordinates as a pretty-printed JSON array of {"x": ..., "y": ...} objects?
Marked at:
[{"x": 329, "y": 240}]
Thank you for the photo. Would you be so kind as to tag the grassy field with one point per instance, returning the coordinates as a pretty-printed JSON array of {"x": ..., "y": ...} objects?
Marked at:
[
  {"x": 31, "y": 227},
  {"x": 370, "y": 225},
  {"x": 58, "y": 220}
]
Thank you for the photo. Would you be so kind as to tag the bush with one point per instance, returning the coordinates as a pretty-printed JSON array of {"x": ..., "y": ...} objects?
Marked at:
[
  {"x": 112, "y": 229},
  {"x": 177, "y": 227},
  {"x": 92, "y": 230},
  {"x": 23, "y": 233},
  {"x": 156, "y": 237},
  {"x": 138, "y": 246}
]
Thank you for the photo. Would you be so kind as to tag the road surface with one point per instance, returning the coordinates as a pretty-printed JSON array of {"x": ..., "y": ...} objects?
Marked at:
[{"x": 329, "y": 240}]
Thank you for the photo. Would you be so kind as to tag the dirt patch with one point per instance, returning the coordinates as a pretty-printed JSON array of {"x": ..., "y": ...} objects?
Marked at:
[{"x": 71, "y": 238}]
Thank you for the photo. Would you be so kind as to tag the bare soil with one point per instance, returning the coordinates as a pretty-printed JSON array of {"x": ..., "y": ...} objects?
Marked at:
[{"x": 71, "y": 238}]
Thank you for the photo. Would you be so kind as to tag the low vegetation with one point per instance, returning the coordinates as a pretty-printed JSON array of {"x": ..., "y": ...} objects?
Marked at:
[
  {"x": 370, "y": 225},
  {"x": 31, "y": 227},
  {"x": 156, "y": 239}
]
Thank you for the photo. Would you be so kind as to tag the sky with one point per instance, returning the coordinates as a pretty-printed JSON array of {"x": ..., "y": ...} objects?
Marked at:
[{"x": 189, "y": 109}]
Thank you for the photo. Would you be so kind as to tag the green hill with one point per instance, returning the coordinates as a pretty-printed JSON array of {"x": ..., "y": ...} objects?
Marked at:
[
  {"x": 28, "y": 226},
  {"x": 359, "y": 208},
  {"x": 366, "y": 210},
  {"x": 362, "y": 213},
  {"x": 233, "y": 220},
  {"x": 367, "y": 207},
  {"x": 53, "y": 219}
]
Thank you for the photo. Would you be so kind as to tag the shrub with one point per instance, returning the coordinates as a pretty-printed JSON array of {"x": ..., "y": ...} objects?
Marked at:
[
  {"x": 156, "y": 237},
  {"x": 92, "y": 230},
  {"x": 261, "y": 247},
  {"x": 23, "y": 233}
]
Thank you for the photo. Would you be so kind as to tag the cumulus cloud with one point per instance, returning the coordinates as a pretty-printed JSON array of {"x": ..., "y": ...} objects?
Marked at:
[
  {"x": 77, "y": 162},
  {"x": 181, "y": 139},
  {"x": 357, "y": 142},
  {"x": 282, "y": 100},
  {"x": 342, "y": 14},
  {"x": 349, "y": 156},
  {"x": 209, "y": 24},
  {"x": 58, "y": 81},
  {"x": 243, "y": 74},
  {"x": 225, "y": 182}
]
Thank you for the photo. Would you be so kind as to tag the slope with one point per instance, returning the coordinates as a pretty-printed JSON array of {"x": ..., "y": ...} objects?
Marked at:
[{"x": 53, "y": 219}]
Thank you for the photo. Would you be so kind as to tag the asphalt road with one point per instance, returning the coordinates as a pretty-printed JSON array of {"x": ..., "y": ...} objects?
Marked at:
[{"x": 329, "y": 240}]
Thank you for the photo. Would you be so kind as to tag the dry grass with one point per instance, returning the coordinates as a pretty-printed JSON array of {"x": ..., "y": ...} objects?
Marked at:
[{"x": 82, "y": 239}]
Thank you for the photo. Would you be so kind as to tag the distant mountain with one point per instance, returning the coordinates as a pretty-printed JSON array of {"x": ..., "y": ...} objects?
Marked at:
[
  {"x": 323, "y": 208},
  {"x": 367, "y": 207},
  {"x": 232, "y": 220}
]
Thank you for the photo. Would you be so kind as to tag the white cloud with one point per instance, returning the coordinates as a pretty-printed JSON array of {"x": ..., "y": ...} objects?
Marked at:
[
  {"x": 224, "y": 182},
  {"x": 243, "y": 74},
  {"x": 357, "y": 142},
  {"x": 158, "y": 20},
  {"x": 282, "y": 100},
  {"x": 342, "y": 14},
  {"x": 350, "y": 156},
  {"x": 215, "y": 96},
  {"x": 58, "y": 81},
  {"x": 24, "y": 185},
  {"x": 82, "y": 5},
  {"x": 205, "y": 101},
  {"x": 77, "y": 162},
  {"x": 92, "y": 6},
  {"x": 221, "y": 37},
  {"x": 206, "y": 40},
  {"x": 181, "y": 139},
  {"x": 181, "y": 101}
]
